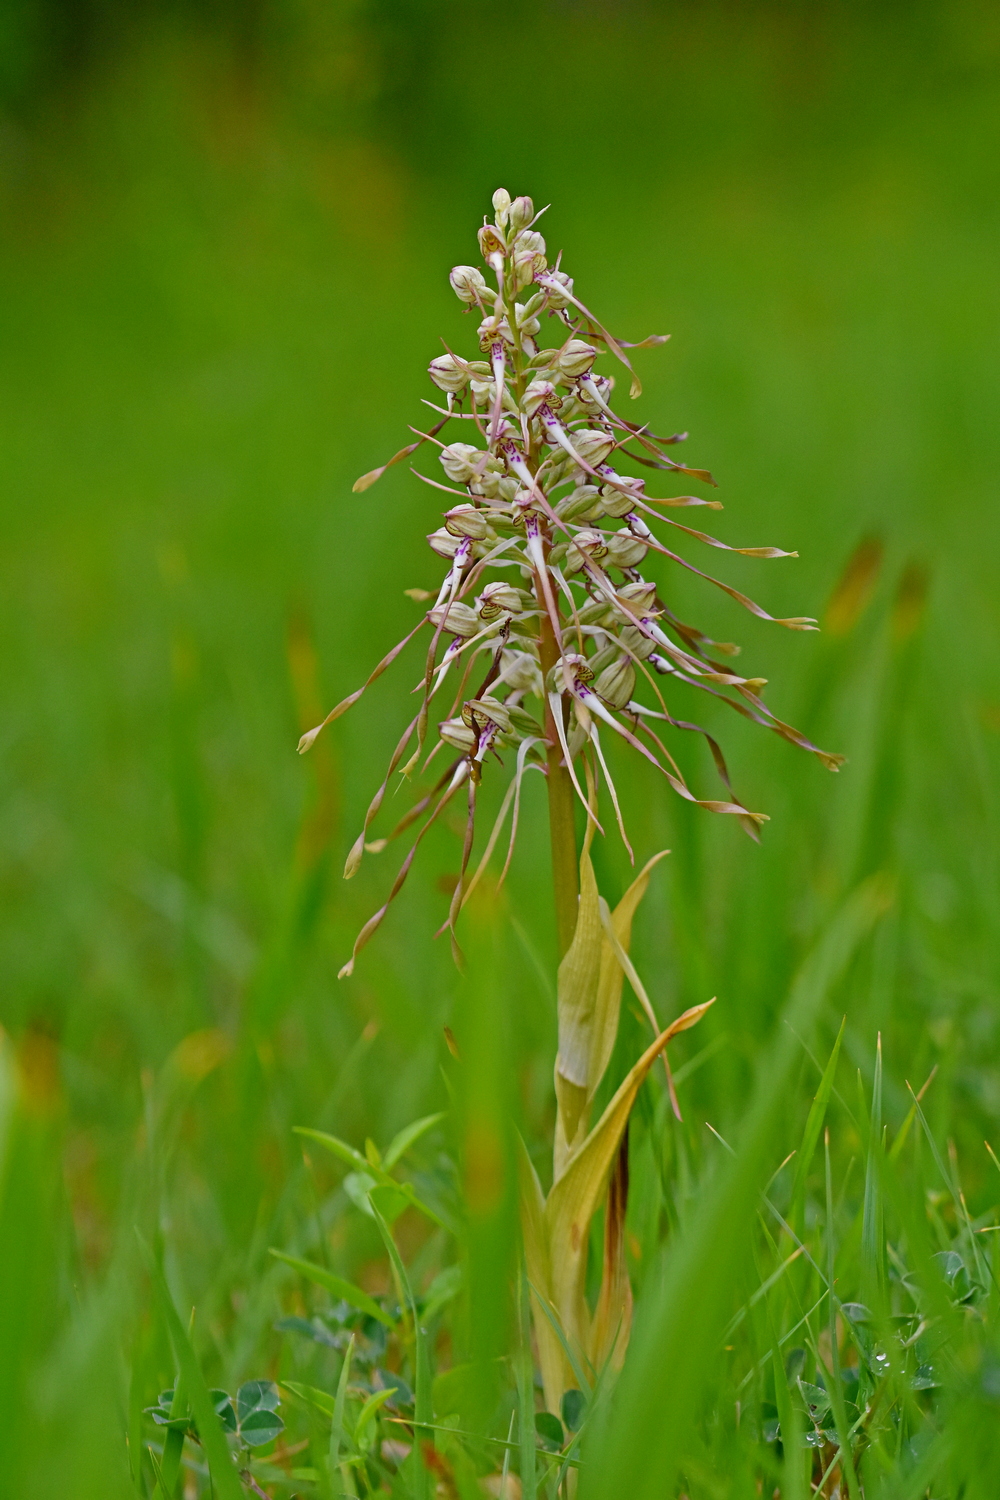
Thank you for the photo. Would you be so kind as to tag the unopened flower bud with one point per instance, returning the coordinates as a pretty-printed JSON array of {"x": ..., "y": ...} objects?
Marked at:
[
  {"x": 530, "y": 309},
  {"x": 530, "y": 242},
  {"x": 641, "y": 595},
  {"x": 487, "y": 485},
  {"x": 592, "y": 445},
  {"x": 572, "y": 410},
  {"x": 616, "y": 683},
  {"x": 458, "y": 619},
  {"x": 458, "y": 735},
  {"x": 614, "y": 503},
  {"x": 577, "y": 358},
  {"x": 557, "y": 283},
  {"x": 641, "y": 646},
  {"x": 582, "y": 504},
  {"x": 497, "y": 599},
  {"x": 468, "y": 283},
  {"x": 520, "y": 670},
  {"x": 522, "y": 724},
  {"x": 625, "y": 550},
  {"x": 448, "y": 374},
  {"x": 526, "y": 320},
  {"x": 522, "y": 211},
  {"x": 594, "y": 612},
  {"x": 501, "y": 206},
  {"x": 578, "y": 736},
  {"x": 462, "y": 462},
  {"x": 443, "y": 543},
  {"x": 524, "y": 271},
  {"x": 466, "y": 520},
  {"x": 479, "y": 712},
  {"x": 604, "y": 658}
]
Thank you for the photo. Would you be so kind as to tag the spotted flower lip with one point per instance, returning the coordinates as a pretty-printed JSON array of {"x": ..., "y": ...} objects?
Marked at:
[{"x": 544, "y": 630}]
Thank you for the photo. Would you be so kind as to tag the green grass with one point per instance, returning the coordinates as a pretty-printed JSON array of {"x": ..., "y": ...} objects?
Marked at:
[{"x": 220, "y": 296}]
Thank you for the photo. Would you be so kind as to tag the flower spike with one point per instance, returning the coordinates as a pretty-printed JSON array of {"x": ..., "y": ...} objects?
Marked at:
[{"x": 546, "y": 541}]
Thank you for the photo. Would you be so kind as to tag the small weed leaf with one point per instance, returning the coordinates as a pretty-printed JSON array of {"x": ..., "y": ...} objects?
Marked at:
[
  {"x": 816, "y": 1399},
  {"x": 573, "y": 1406},
  {"x": 400, "y": 1395},
  {"x": 255, "y": 1395},
  {"x": 549, "y": 1430},
  {"x": 260, "y": 1427},
  {"x": 224, "y": 1409},
  {"x": 161, "y": 1416},
  {"x": 950, "y": 1263}
]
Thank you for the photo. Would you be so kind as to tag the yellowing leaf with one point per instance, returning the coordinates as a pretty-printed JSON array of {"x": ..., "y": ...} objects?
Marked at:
[
  {"x": 612, "y": 1325},
  {"x": 576, "y": 1195},
  {"x": 578, "y": 978},
  {"x": 609, "y": 986},
  {"x": 589, "y": 999},
  {"x": 551, "y": 1359}
]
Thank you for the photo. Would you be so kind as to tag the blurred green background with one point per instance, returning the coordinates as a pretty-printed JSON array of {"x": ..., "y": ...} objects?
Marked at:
[{"x": 226, "y": 232}]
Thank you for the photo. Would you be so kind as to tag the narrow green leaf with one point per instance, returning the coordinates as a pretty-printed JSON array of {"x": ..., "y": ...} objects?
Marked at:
[
  {"x": 814, "y": 1120},
  {"x": 335, "y": 1146},
  {"x": 337, "y": 1427},
  {"x": 526, "y": 1395},
  {"x": 369, "y": 1409},
  {"x": 422, "y": 1384},
  {"x": 322, "y": 1400},
  {"x": 872, "y": 1233},
  {"x": 836, "y": 1389},
  {"x": 345, "y": 1290},
  {"x": 408, "y": 1137},
  {"x": 686, "y": 1309},
  {"x": 361, "y": 1164}
]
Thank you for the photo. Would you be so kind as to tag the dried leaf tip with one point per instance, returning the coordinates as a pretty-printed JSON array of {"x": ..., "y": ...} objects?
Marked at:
[{"x": 308, "y": 740}]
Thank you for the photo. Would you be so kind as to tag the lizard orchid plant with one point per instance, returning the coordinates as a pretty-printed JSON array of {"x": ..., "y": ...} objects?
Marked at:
[{"x": 546, "y": 639}]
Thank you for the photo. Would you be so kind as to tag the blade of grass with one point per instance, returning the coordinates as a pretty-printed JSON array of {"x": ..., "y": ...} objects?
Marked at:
[
  {"x": 872, "y": 1222},
  {"x": 337, "y": 1426},
  {"x": 210, "y": 1429},
  {"x": 679, "y": 1325},
  {"x": 814, "y": 1124},
  {"x": 836, "y": 1391},
  {"x": 408, "y": 1137},
  {"x": 526, "y": 1394},
  {"x": 345, "y": 1290},
  {"x": 422, "y": 1411}
]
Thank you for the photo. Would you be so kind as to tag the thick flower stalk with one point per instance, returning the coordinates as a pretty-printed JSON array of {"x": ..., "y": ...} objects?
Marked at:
[{"x": 546, "y": 637}]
